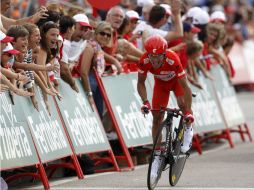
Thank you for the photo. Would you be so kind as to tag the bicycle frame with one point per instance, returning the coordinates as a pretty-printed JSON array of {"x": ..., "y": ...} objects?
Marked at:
[{"x": 171, "y": 113}]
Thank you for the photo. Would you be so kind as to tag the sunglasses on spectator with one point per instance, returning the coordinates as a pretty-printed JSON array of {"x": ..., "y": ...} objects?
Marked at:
[{"x": 105, "y": 34}]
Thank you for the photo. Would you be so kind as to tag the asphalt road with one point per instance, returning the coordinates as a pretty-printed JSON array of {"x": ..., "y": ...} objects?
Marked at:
[{"x": 219, "y": 167}]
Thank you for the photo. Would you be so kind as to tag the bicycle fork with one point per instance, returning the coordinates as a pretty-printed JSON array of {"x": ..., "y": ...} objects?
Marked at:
[{"x": 169, "y": 158}]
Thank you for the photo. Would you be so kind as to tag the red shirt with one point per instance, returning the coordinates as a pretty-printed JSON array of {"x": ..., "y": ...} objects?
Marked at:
[
  {"x": 112, "y": 50},
  {"x": 128, "y": 36},
  {"x": 170, "y": 70},
  {"x": 205, "y": 53},
  {"x": 181, "y": 53}
]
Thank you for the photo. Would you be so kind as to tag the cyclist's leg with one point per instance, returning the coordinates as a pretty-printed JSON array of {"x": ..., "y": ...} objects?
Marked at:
[
  {"x": 160, "y": 99},
  {"x": 181, "y": 101}
]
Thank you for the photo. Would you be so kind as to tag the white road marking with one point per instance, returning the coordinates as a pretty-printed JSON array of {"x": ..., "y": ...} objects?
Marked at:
[
  {"x": 145, "y": 188},
  {"x": 72, "y": 179}
]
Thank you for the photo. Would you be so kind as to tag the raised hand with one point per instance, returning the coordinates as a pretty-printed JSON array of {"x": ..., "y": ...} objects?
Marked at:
[{"x": 40, "y": 14}]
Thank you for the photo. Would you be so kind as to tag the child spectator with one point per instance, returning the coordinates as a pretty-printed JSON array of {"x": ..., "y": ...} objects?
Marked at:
[
  {"x": 194, "y": 50},
  {"x": 20, "y": 43},
  {"x": 49, "y": 38},
  {"x": 227, "y": 47}
]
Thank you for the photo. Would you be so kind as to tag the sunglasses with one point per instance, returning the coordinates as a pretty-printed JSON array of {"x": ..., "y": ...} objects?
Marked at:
[
  {"x": 156, "y": 56},
  {"x": 105, "y": 34}
]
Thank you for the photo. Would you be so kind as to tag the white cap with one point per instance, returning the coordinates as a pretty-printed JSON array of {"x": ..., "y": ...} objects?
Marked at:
[
  {"x": 218, "y": 8},
  {"x": 142, "y": 3},
  {"x": 132, "y": 14},
  {"x": 167, "y": 8},
  {"x": 218, "y": 16},
  {"x": 4, "y": 38},
  {"x": 201, "y": 18},
  {"x": 9, "y": 49},
  {"x": 193, "y": 11},
  {"x": 82, "y": 20}
]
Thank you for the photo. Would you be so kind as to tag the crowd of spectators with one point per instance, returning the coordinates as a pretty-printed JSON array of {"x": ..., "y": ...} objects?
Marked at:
[
  {"x": 60, "y": 41},
  {"x": 72, "y": 40}
]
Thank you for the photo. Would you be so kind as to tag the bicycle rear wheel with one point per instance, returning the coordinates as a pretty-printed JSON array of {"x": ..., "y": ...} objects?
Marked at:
[
  {"x": 176, "y": 168},
  {"x": 159, "y": 144}
]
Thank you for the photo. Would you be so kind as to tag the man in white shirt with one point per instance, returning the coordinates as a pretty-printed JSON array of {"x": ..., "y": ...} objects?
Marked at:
[
  {"x": 158, "y": 17},
  {"x": 81, "y": 34},
  {"x": 67, "y": 28}
]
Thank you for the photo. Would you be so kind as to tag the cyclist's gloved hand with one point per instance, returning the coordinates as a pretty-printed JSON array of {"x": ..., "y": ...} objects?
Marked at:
[
  {"x": 188, "y": 117},
  {"x": 146, "y": 107}
]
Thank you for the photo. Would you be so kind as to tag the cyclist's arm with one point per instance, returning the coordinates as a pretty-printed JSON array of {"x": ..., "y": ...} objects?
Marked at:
[
  {"x": 142, "y": 87},
  {"x": 187, "y": 92}
]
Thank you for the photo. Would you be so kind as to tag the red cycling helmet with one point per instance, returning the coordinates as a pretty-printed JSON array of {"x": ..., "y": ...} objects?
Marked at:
[{"x": 156, "y": 45}]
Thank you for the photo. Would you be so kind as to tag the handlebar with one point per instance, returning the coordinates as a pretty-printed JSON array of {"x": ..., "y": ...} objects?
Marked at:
[{"x": 174, "y": 111}]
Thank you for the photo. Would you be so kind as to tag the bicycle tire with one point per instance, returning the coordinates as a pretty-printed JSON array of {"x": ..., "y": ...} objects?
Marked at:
[
  {"x": 176, "y": 168},
  {"x": 164, "y": 129}
]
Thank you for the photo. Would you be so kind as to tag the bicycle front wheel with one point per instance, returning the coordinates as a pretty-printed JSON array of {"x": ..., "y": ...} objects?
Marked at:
[
  {"x": 160, "y": 148},
  {"x": 176, "y": 168}
]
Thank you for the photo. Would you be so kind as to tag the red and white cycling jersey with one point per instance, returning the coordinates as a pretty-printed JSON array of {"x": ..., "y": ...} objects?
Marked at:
[
  {"x": 170, "y": 70},
  {"x": 165, "y": 78}
]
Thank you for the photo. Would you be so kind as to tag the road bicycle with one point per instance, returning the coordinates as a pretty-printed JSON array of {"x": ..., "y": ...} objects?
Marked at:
[{"x": 169, "y": 141}]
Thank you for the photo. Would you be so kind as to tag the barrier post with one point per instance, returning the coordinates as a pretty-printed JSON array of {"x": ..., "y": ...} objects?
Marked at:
[
  {"x": 83, "y": 126},
  {"x": 126, "y": 156},
  {"x": 16, "y": 139},
  {"x": 73, "y": 157},
  {"x": 226, "y": 133},
  {"x": 228, "y": 103}
]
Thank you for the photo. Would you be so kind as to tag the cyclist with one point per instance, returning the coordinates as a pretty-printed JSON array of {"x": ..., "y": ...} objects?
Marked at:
[{"x": 169, "y": 76}]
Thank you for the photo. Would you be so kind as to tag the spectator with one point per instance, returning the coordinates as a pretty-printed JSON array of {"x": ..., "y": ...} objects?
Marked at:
[
  {"x": 20, "y": 43},
  {"x": 67, "y": 28},
  {"x": 168, "y": 25},
  {"x": 118, "y": 49},
  {"x": 33, "y": 44},
  {"x": 227, "y": 46},
  {"x": 4, "y": 40},
  {"x": 52, "y": 16},
  {"x": 7, "y": 22},
  {"x": 124, "y": 28},
  {"x": 157, "y": 18},
  {"x": 129, "y": 35},
  {"x": 49, "y": 34},
  {"x": 125, "y": 32},
  {"x": 200, "y": 19},
  {"x": 193, "y": 52},
  {"x": 213, "y": 43},
  {"x": 7, "y": 58},
  {"x": 146, "y": 11},
  {"x": 6, "y": 84},
  {"x": 189, "y": 16},
  {"x": 93, "y": 57},
  {"x": 218, "y": 17},
  {"x": 78, "y": 40}
]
